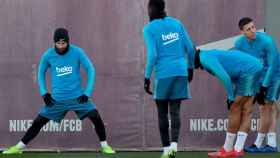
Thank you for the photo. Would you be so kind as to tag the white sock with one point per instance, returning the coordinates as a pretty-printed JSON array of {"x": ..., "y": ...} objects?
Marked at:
[
  {"x": 20, "y": 145},
  {"x": 103, "y": 143},
  {"x": 166, "y": 150},
  {"x": 271, "y": 139},
  {"x": 259, "y": 139},
  {"x": 174, "y": 146},
  {"x": 240, "y": 141},
  {"x": 230, "y": 137}
]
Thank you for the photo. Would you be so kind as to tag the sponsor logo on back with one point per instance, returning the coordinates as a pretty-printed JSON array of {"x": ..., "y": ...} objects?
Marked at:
[{"x": 170, "y": 37}]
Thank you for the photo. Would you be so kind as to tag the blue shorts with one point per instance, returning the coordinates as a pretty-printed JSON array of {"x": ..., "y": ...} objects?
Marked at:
[
  {"x": 247, "y": 85},
  {"x": 58, "y": 111},
  {"x": 273, "y": 91},
  {"x": 172, "y": 88}
]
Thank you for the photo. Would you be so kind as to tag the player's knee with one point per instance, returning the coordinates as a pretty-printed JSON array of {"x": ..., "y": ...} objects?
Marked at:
[
  {"x": 175, "y": 113},
  {"x": 175, "y": 116},
  {"x": 163, "y": 125},
  {"x": 94, "y": 114},
  {"x": 261, "y": 108},
  {"x": 247, "y": 111},
  {"x": 269, "y": 104},
  {"x": 162, "y": 115},
  {"x": 236, "y": 108},
  {"x": 176, "y": 124},
  {"x": 267, "y": 107},
  {"x": 39, "y": 122},
  {"x": 238, "y": 100}
]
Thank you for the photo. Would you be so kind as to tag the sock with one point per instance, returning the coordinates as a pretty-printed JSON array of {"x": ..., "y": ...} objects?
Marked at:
[
  {"x": 230, "y": 137},
  {"x": 20, "y": 145},
  {"x": 271, "y": 139},
  {"x": 240, "y": 141},
  {"x": 166, "y": 150},
  {"x": 103, "y": 143},
  {"x": 259, "y": 139},
  {"x": 174, "y": 146}
]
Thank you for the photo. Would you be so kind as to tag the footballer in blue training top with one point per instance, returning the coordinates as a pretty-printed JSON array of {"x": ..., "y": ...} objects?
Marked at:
[
  {"x": 67, "y": 94},
  {"x": 263, "y": 47},
  {"x": 170, "y": 56}
]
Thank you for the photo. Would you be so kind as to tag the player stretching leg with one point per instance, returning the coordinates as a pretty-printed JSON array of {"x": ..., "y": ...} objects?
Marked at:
[{"x": 67, "y": 92}]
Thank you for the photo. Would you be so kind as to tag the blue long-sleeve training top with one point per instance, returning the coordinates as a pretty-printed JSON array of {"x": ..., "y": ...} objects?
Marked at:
[
  {"x": 229, "y": 65},
  {"x": 276, "y": 68},
  {"x": 66, "y": 80},
  {"x": 170, "y": 51},
  {"x": 262, "y": 47}
]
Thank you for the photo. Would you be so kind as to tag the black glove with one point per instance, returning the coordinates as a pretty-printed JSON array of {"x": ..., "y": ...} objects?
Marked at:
[
  {"x": 82, "y": 99},
  {"x": 49, "y": 101},
  {"x": 260, "y": 99},
  {"x": 197, "y": 63},
  {"x": 255, "y": 99},
  {"x": 190, "y": 75},
  {"x": 147, "y": 86},
  {"x": 261, "y": 95},
  {"x": 229, "y": 103},
  {"x": 263, "y": 90}
]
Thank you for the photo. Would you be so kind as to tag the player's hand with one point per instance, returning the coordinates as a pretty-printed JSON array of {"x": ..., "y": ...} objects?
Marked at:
[
  {"x": 260, "y": 99},
  {"x": 261, "y": 96},
  {"x": 229, "y": 103},
  {"x": 82, "y": 99},
  {"x": 255, "y": 99},
  {"x": 147, "y": 86},
  {"x": 263, "y": 90},
  {"x": 49, "y": 101},
  {"x": 190, "y": 75}
]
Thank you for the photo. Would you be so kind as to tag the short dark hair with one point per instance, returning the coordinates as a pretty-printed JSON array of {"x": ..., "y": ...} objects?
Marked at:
[
  {"x": 244, "y": 21},
  {"x": 157, "y": 8}
]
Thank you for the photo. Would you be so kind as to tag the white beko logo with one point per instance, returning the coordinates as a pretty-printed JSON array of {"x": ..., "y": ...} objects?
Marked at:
[
  {"x": 170, "y": 37},
  {"x": 65, "y": 70}
]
